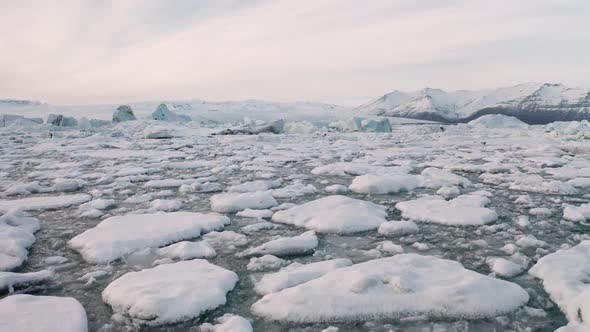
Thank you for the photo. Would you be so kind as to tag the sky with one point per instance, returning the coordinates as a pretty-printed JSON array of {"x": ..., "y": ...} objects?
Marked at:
[{"x": 338, "y": 51}]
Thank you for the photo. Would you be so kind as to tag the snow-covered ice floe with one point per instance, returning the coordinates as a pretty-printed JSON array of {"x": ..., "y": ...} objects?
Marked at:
[
  {"x": 228, "y": 323},
  {"x": 296, "y": 274},
  {"x": 462, "y": 210},
  {"x": 118, "y": 236},
  {"x": 11, "y": 280},
  {"x": 383, "y": 184},
  {"x": 170, "y": 293},
  {"x": 285, "y": 246},
  {"x": 44, "y": 202},
  {"x": 565, "y": 277},
  {"x": 334, "y": 214},
  {"x": 395, "y": 287},
  {"x": 16, "y": 232},
  {"x": 233, "y": 202},
  {"x": 29, "y": 313}
]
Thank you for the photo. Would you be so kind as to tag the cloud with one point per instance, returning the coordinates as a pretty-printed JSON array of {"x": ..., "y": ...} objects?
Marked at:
[{"x": 115, "y": 51}]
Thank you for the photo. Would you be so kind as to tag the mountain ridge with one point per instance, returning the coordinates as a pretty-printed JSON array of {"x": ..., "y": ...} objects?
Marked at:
[{"x": 533, "y": 103}]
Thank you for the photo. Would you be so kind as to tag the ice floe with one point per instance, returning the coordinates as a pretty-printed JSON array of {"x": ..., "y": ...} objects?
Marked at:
[
  {"x": 334, "y": 214},
  {"x": 285, "y": 246},
  {"x": 44, "y": 202},
  {"x": 170, "y": 293},
  {"x": 231, "y": 202},
  {"x": 118, "y": 236},
  {"x": 401, "y": 227},
  {"x": 462, "y": 210},
  {"x": 296, "y": 274},
  {"x": 29, "y": 313},
  {"x": 17, "y": 234},
  {"x": 395, "y": 287},
  {"x": 565, "y": 277},
  {"x": 228, "y": 323}
]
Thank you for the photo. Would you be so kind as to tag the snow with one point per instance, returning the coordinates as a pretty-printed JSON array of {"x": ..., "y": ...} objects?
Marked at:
[
  {"x": 118, "y": 236},
  {"x": 44, "y": 202},
  {"x": 356, "y": 168},
  {"x": 334, "y": 214},
  {"x": 296, "y": 189},
  {"x": 462, "y": 210},
  {"x": 253, "y": 228},
  {"x": 497, "y": 121},
  {"x": 505, "y": 268},
  {"x": 383, "y": 184},
  {"x": 28, "y": 313},
  {"x": 16, "y": 231},
  {"x": 266, "y": 262},
  {"x": 258, "y": 185},
  {"x": 448, "y": 192},
  {"x": 170, "y": 293},
  {"x": 187, "y": 250},
  {"x": 230, "y": 202},
  {"x": 337, "y": 189},
  {"x": 167, "y": 205},
  {"x": 228, "y": 323},
  {"x": 536, "y": 183},
  {"x": 462, "y": 104},
  {"x": 9, "y": 280},
  {"x": 285, "y": 246},
  {"x": 395, "y": 287},
  {"x": 55, "y": 260},
  {"x": 564, "y": 275},
  {"x": 296, "y": 274},
  {"x": 98, "y": 204},
  {"x": 401, "y": 227},
  {"x": 272, "y": 127},
  {"x": 433, "y": 177},
  {"x": 250, "y": 213},
  {"x": 389, "y": 247},
  {"x": 225, "y": 239},
  {"x": 530, "y": 241},
  {"x": 577, "y": 213}
]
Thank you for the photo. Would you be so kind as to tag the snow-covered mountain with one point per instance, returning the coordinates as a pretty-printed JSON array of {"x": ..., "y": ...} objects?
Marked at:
[{"x": 534, "y": 103}]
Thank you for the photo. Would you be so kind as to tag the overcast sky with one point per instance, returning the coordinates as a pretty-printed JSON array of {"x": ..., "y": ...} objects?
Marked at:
[{"x": 341, "y": 51}]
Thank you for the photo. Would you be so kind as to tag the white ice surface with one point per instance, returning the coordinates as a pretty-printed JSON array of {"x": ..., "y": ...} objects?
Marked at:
[
  {"x": 117, "y": 236},
  {"x": 170, "y": 292},
  {"x": 16, "y": 234},
  {"x": 29, "y": 313},
  {"x": 44, "y": 202},
  {"x": 296, "y": 274},
  {"x": 394, "y": 287},
  {"x": 228, "y": 323},
  {"x": 234, "y": 202},
  {"x": 285, "y": 246},
  {"x": 462, "y": 210},
  {"x": 565, "y": 277},
  {"x": 334, "y": 214}
]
